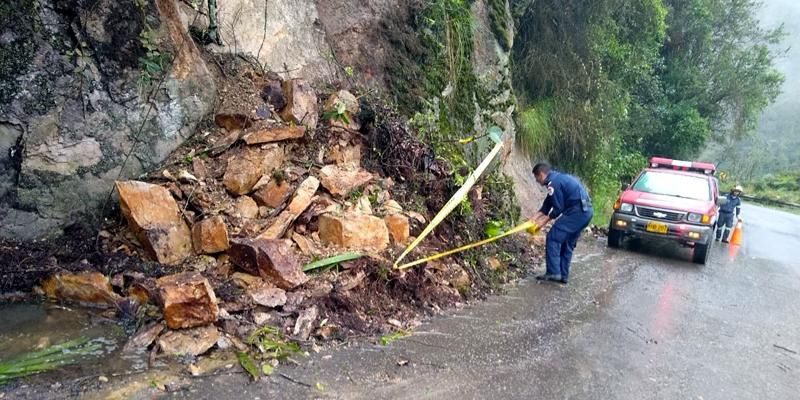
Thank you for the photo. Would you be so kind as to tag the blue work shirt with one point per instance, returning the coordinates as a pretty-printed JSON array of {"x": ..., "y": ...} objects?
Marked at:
[
  {"x": 732, "y": 206},
  {"x": 565, "y": 195}
]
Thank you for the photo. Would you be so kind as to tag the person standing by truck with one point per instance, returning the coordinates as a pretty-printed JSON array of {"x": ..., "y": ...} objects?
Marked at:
[
  {"x": 729, "y": 214},
  {"x": 569, "y": 205}
]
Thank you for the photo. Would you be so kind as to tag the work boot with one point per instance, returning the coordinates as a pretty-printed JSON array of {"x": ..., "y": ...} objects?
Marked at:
[
  {"x": 562, "y": 281},
  {"x": 549, "y": 278}
]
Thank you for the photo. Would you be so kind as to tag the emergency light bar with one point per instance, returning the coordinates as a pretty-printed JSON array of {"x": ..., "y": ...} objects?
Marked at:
[{"x": 678, "y": 165}]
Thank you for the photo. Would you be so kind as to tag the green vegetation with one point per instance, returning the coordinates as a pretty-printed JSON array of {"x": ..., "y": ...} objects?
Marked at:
[
  {"x": 154, "y": 62},
  {"x": 605, "y": 83},
  {"x": 386, "y": 340},
  {"x": 782, "y": 187},
  {"x": 47, "y": 359}
]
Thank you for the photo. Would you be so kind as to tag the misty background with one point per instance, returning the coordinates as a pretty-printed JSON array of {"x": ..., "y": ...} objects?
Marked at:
[{"x": 775, "y": 146}]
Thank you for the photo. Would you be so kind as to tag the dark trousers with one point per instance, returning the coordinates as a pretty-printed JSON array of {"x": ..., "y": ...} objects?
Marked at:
[
  {"x": 724, "y": 225},
  {"x": 561, "y": 242}
]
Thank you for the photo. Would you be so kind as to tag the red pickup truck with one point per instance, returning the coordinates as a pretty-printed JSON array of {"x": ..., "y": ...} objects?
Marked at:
[{"x": 670, "y": 199}]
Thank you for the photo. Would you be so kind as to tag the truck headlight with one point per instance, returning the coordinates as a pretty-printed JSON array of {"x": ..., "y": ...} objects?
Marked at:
[
  {"x": 695, "y": 218},
  {"x": 626, "y": 208}
]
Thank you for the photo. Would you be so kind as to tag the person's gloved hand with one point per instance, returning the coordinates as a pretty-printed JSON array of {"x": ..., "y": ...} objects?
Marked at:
[{"x": 534, "y": 229}]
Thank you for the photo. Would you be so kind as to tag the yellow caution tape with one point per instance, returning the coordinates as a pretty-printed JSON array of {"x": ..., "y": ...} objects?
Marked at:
[
  {"x": 528, "y": 226},
  {"x": 466, "y": 140},
  {"x": 453, "y": 202}
]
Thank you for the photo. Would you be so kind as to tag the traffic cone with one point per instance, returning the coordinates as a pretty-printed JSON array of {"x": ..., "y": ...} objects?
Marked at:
[{"x": 736, "y": 237}]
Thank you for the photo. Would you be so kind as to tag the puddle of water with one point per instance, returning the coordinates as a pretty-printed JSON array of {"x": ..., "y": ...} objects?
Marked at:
[{"x": 29, "y": 327}]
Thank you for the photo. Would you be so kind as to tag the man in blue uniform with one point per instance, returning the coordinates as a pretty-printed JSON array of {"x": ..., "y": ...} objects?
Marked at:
[
  {"x": 569, "y": 205},
  {"x": 729, "y": 213}
]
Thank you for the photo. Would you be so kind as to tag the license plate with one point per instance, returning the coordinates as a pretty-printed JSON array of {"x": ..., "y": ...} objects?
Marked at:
[{"x": 656, "y": 227}]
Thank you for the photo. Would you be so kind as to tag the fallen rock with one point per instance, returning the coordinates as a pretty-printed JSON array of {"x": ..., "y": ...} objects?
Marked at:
[
  {"x": 273, "y": 194},
  {"x": 301, "y": 103},
  {"x": 272, "y": 259},
  {"x": 364, "y": 206},
  {"x": 91, "y": 288},
  {"x": 155, "y": 218},
  {"x": 232, "y": 122},
  {"x": 305, "y": 245},
  {"x": 346, "y": 103},
  {"x": 341, "y": 180},
  {"x": 245, "y": 207},
  {"x": 345, "y": 155},
  {"x": 272, "y": 93},
  {"x": 273, "y": 134},
  {"x": 210, "y": 236},
  {"x": 189, "y": 342},
  {"x": 355, "y": 232},
  {"x": 305, "y": 323},
  {"x": 246, "y": 281},
  {"x": 349, "y": 280},
  {"x": 187, "y": 300},
  {"x": 144, "y": 337},
  {"x": 268, "y": 296},
  {"x": 495, "y": 264},
  {"x": 399, "y": 228},
  {"x": 300, "y": 201},
  {"x": 246, "y": 169},
  {"x": 143, "y": 290},
  {"x": 392, "y": 207}
]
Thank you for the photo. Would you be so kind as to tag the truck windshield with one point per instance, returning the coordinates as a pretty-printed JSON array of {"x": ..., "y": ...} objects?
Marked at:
[{"x": 673, "y": 185}]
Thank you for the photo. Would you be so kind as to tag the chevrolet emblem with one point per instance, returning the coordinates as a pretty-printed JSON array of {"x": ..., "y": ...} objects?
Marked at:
[{"x": 659, "y": 215}]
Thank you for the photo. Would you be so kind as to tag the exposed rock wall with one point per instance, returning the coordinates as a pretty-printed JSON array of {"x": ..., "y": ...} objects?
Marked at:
[{"x": 73, "y": 105}]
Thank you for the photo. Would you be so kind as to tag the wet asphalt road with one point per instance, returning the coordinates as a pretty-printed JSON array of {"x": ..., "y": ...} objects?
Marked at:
[{"x": 638, "y": 323}]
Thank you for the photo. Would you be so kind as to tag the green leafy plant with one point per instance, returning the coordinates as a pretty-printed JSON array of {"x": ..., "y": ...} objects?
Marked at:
[
  {"x": 331, "y": 261},
  {"x": 47, "y": 359},
  {"x": 270, "y": 341},
  {"x": 247, "y": 364},
  {"x": 386, "y": 340},
  {"x": 339, "y": 113}
]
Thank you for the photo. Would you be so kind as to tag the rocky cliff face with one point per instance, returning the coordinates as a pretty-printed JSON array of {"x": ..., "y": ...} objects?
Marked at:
[
  {"x": 75, "y": 110},
  {"x": 74, "y": 104}
]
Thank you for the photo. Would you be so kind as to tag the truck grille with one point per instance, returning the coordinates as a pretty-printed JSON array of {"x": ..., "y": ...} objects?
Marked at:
[{"x": 659, "y": 214}]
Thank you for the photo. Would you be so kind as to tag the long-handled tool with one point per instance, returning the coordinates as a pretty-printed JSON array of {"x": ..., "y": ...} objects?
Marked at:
[{"x": 526, "y": 226}]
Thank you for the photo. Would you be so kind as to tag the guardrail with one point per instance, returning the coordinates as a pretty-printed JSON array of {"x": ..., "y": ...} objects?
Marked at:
[{"x": 766, "y": 200}]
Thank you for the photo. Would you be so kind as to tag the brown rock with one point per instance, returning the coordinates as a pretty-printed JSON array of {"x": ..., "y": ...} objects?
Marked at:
[
  {"x": 273, "y": 134},
  {"x": 89, "y": 288},
  {"x": 246, "y": 281},
  {"x": 246, "y": 207},
  {"x": 189, "y": 342},
  {"x": 272, "y": 259},
  {"x": 274, "y": 194},
  {"x": 155, "y": 218},
  {"x": 494, "y": 264},
  {"x": 199, "y": 168},
  {"x": 300, "y": 201},
  {"x": 144, "y": 337},
  {"x": 187, "y": 300},
  {"x": 210, "y": 236},
  {"x": 301, "y": 103},
  {"x": 392, "y": 207},
  {"x": 399, "y": 228},
  {"x": 305, "y": 245},
  {"x": 233, "y": 122},
  {"x": 246, "y": 169},
  {"x": 349, "y": 280},
  {"x": 355, "y": 232},
  {"x": 341, "y": 180},
  {"x": 143, "y": 290},
  {"x": 268, "y": 296},
  {"x": 345, "y": 155}
]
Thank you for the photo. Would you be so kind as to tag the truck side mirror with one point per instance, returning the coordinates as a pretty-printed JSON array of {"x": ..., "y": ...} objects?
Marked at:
[
  {"x": 626, "y": 186},
  {"x": 722, "y": 200}
]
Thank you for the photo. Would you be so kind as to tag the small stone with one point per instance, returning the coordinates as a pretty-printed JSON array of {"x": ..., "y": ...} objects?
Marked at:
[
  {"x": 272, "y": 259},
  {"x": 243, "y": 171},
  {"x": 494, "y": 264},
  {"x": 341, "y": 180},
  {"x": 349, "y": 280},
  {"x": 300, "y": 201},
  {"x": 273, "y": 134},
  {"x": 417, "y": 216},
  {"x": 345, "y": 155},
  {"x": 246, "y": 281},
  {"x": 245, "y": 207},
  {"x": 91, "y": 288},
  {"x": 301, "y": 103},
  {"x": 392, "y": 207},
  {"x": 199, "y": 168},
  {"x": 305, "y": 245},
  {"x": 355, "y": 232},
  {"x": 305, "y": 323},
  {"x": 364, "y": 206},
  {"x": 185, "y": 177},
  {"x": 154, "y": 217},
  {"x": 187, "y": 300},
  {"x": 210, "y": 236},
  {"x": 102, "y": 379},
  {"x": 399, "y": 228},
  {"x": 268, "y": 296},
  {"x": 261, "y": 318},
  {"x": 274, "y": 194},
  {"x": 144, "y": 338},
  {"x": 189, "y": 342}
]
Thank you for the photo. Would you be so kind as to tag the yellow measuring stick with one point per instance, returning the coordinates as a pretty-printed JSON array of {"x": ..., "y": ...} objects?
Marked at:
[
  {"x": 453, "y": 202},
  {"x": 526, "y": 226}
]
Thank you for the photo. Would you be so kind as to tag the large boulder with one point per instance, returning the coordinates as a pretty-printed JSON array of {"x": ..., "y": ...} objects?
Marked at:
[
  {"x": 354, "y": 232},
  {"x": 154, "y": 217},
  {"x": 272, "y": 259},
  {"x": 187, "y": 300},
  {"x": 75, "y": 103}
]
